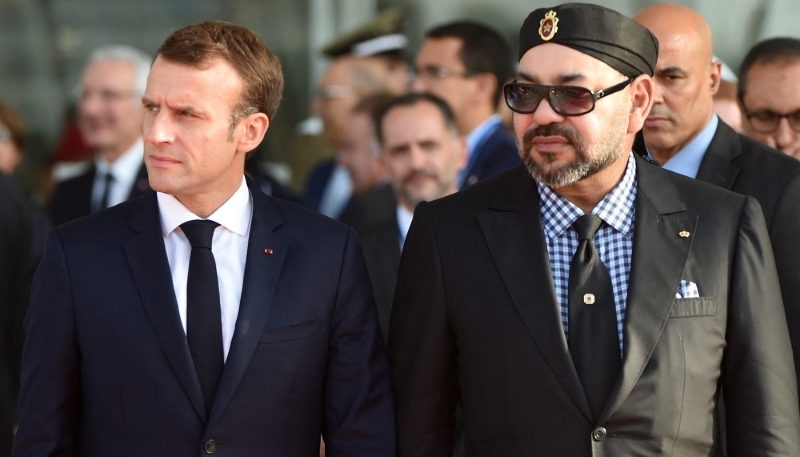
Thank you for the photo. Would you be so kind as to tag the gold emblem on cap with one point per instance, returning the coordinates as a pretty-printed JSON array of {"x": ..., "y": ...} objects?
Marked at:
[
  {"x": 683, "y": 234},
  {"x": 588, "y": 299},
  {"x": 548, "y": 26}
]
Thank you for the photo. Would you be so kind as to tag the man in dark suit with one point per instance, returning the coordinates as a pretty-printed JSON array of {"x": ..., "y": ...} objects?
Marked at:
[
  {"x": 110, "y": 122},
  {"x": 422, "y": 153},
  {"x": 466, "y": 64},
  {"x": 16, "y": 238},
  {"x": 206, "y": 316},
  {"x": 683, "y": 134},
  {"x": 600, "y": 307}
]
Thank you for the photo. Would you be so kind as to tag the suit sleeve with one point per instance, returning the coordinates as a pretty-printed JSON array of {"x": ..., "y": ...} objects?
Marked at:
[
  {"x": 784, "y": 232},
  {"x": 762, "y": 415},
  {"x": 50, "y": 391},
  {"x": 422, "y": 347},
  {"x": 358, "y": 417}
]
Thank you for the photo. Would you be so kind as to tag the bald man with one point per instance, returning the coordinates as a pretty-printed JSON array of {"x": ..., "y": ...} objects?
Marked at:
[{"x": 683, "y": 134}]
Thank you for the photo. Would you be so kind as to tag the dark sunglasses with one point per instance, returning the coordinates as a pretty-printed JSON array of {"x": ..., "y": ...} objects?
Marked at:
[{"x": 565, "y": 100}]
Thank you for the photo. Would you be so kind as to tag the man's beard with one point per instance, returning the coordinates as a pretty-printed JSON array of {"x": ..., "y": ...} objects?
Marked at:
[{"x": 586, "y": 164}]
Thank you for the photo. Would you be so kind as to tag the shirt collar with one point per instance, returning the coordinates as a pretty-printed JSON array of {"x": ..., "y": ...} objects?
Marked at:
[
  {"x": 478, "y": 134},
  {"x": 126, "y": 167},
  {"x": 616, "y": 209},
  {"x": 687, "y": 160},
  {"x": 235, "y": 214}
]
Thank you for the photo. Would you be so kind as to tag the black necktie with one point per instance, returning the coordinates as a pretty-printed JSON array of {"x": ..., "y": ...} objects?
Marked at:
[
  {"x": 108, "y": 178},
  {"x": 203, "y": 316},
  {"x": 593, "y": 338}
]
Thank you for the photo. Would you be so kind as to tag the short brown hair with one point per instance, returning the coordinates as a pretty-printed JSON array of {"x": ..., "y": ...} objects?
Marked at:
[
  {"x": 11, "y": 120},
  {"x": 260, "y": 69}
]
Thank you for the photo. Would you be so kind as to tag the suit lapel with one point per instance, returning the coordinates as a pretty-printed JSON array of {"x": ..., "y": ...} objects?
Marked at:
[
  {"x": 261, "y": 275},
  {"x": 150, "y": 267},
  {"x": 514, "y": 232},
  {"x": 659, "y": 259},
  {"x": 717, "y": 166}
]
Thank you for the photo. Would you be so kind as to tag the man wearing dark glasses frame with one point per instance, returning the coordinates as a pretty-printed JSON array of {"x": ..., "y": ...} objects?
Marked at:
[{"x": 598, "y": 308}]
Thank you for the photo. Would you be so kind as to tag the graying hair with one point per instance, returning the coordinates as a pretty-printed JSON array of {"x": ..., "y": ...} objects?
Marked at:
[{"x": 141, "y": 62}]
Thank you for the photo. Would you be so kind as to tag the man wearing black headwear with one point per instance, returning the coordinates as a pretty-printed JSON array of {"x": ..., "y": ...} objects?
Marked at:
[{"x": 590, "y": 303}]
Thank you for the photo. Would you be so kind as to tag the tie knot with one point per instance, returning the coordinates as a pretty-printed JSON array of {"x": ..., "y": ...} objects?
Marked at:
[
  {"x": 200, "y": 232},
  {"x": 586, "y": 226}
]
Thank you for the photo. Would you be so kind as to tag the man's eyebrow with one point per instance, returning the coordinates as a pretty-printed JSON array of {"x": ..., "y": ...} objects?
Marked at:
[
  {"x": 560, "y": 79},
  {"x": 147, "y": 101},
  {"x": 674, "y": 70}
]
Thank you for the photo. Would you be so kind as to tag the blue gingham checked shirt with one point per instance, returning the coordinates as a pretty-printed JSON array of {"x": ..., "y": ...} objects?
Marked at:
[{"x": 613, "y": 240}]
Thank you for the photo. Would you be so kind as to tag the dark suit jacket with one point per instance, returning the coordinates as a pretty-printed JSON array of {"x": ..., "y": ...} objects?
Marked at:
[
  {"x": 107, "y": 370},
  {"x": 475, "y": 319},
  {"x": 496, "y": 155},
  {"x": 73, "y": 198},
  {"x": 16, "y": 239},
  {"x": 745, "y": 166},
  {"x": 374, "y": 217}
]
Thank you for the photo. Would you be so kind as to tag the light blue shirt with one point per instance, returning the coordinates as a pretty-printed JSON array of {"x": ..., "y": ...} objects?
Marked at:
[
  {"x": 687, "y": 160},
  {"x": 475, "y": 140}
]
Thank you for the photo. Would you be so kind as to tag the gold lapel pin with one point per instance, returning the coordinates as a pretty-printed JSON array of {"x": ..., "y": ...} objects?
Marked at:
[
  {"x": 269, "y": 251},
  {"x": 588, "y": 299},
  {"x": 684, "y": 234}
]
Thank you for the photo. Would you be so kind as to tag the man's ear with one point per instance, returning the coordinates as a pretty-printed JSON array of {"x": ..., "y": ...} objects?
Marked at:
[
  {"x": 642, "y": 90},
  {"x": 715, "y": 75},
  {"x": 254, "y": 127}
]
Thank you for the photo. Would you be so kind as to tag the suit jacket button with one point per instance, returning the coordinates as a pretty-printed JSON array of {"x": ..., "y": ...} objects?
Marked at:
[
  {"x": 210, "y": 446},
  {"x": 599, "y": 434}
]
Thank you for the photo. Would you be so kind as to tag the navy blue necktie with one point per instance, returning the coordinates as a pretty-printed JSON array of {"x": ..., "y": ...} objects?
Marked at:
[
  {"x": 203, "y": 315},
  {"x": 108, "y": 179},
  {"x": 593, "y": 337}
]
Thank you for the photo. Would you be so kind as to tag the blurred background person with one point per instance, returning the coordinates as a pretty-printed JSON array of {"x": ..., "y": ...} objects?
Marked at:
[
  {"x": 466, "y": 64},
  {"x": 423, "y": 153},
  {"x": 769, "y": 94},
  {"x": 361, "y": 152},
  {"x": 110, "y": 117},
  {"x": 365, "y": 62},
  {"x": 16, "y": 268}
]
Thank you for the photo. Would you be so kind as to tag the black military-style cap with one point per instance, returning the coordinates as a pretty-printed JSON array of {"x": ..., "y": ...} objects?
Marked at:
[{"x": 595, "y": 30}]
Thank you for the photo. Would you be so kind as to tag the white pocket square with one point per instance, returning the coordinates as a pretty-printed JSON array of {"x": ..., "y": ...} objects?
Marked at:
[{"x": 687, "y": 289}]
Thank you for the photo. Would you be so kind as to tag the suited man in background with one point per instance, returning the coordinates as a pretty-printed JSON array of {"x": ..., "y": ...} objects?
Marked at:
[
  {"x": 110, "y": 121},
  {"x": 590, "y": 303},
  {"x": 422, "y": 153},
  {"x": 205, "y": 316},
  {"x": 466, "y": 63},
  {"x": 16, "y": 240},
  {"x": 683, "y": 134}
]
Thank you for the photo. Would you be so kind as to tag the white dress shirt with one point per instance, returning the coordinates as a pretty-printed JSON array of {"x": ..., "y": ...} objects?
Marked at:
[
  {"x": 229, "y": 246},
  {"x": 404, "y": 217},
  {"x": 124, "y": 170}
]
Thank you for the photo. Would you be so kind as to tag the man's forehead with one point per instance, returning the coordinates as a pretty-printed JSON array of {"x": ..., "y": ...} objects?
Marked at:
[{"x": 554, "y": 64}]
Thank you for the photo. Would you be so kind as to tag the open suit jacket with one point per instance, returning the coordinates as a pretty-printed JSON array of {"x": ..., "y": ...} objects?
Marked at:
[
  {"x": 73, "y": 198},
  {"x": 374, "y": 218},
  {"x": 497, "y": 154},
  {"x": 475, "y": 319},
  {"x": 745, "y": 166},
  {"x": 107, "y": 370}
]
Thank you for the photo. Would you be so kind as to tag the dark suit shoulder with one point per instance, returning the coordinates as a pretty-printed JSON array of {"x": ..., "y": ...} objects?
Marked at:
[
  {"x": 371, "y": 210},
  {"x": 496, "y": 155}
]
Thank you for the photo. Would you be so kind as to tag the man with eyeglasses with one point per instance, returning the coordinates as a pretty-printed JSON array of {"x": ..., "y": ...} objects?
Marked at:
[
  {"x": 110, "y": 117},
  {"x": 684, "y": 135},
  {"x": 769, "y": 95},
  {"x": 590, "y": 303},
  {"x": 466, "y": 64}
]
